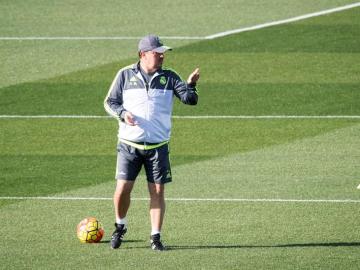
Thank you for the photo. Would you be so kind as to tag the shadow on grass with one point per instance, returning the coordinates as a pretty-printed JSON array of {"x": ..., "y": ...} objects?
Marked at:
[
  {"x": 204, "y": 247},
  {"x": 124, "y": 241},
  {"x": 296, "y": 245}
]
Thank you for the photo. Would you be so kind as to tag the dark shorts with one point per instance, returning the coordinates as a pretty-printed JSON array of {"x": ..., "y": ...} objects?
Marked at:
[{"x": 156, "y": 163}]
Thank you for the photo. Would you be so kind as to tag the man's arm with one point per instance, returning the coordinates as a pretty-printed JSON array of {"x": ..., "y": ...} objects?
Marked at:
[
  {"x": 113, "y": 102},
  {"x": 186, "y": 91}
]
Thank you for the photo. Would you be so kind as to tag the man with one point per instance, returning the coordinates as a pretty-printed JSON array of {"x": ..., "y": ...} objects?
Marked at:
[{"x": 141, "y": 97}]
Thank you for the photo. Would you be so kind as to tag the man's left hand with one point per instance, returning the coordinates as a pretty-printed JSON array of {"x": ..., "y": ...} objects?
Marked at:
[{"x": 194, "y": 76}]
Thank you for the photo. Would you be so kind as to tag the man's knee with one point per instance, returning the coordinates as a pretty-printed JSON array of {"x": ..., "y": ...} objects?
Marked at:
[
  {"x": 124, "y": 186},
  {"x": 156, "y": 190}
]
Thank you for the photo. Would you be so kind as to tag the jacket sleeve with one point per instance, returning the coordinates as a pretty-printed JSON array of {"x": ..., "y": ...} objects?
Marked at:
[
  {"x": 113, "y": 102},
  {"x": 187, "y": 93}
]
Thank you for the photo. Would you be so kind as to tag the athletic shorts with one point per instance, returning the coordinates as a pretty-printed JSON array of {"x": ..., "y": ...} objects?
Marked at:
[{"x": 156, "y": 163}]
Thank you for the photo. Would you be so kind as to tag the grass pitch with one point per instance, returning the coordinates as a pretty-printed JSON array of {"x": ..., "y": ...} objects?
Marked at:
[{"x": 304, "y": 68}]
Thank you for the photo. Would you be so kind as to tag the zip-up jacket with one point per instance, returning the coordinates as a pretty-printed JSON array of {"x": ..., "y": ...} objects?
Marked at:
[{"x": 151, "y": 104}]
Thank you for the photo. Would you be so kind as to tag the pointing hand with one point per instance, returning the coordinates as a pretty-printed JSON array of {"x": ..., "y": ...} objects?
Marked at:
[{"x": 194, "y": 76}]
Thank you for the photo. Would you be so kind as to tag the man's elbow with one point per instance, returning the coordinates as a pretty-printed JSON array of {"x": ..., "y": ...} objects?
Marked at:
[{"x": 193, "y": 100}]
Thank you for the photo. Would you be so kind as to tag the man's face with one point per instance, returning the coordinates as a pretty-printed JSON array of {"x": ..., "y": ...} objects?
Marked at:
[{"x": 153, "y": 60}]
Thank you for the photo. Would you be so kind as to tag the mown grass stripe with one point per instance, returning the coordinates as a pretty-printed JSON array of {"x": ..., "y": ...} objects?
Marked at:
[
  {"x": 279, "y": 22},
  {"x": 213, "y": 36},
  {"x": 188, "y": 199}
]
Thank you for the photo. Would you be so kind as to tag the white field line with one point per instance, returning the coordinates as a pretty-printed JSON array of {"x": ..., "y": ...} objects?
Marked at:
[
  {"x": 98, "y": 38},
  {"x": 189, "y": 116},
  {"x": 217, "y": 35},
  {"x": 188, "y": 199},
  {"x": 267, "y": 117},
  {"x": 293, "y": 19},
  {"x": 55, "y": 116}
]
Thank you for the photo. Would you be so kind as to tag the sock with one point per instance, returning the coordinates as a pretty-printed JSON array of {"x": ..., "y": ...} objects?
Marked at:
[
  {"x": 121, "y": 221},
  {"x": 156, "y": 231}
]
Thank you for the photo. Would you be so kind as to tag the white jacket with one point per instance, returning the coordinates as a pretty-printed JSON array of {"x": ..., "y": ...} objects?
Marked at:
[{"x": 150, "y": 104}]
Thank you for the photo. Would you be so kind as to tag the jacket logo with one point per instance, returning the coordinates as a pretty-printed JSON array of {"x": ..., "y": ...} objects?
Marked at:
[
  {"x": 162, "y": 80},
  {"x": 133, "y": 81}
]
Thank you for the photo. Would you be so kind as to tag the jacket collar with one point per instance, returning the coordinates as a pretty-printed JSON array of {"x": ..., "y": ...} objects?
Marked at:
[{"x": 136, "y": 68}]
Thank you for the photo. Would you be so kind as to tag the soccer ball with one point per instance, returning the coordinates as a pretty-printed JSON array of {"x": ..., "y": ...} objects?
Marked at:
[{"x": 89, "y": 230}]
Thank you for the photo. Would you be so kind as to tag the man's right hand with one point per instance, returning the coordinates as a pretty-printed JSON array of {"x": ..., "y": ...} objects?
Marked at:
[{"x": 130, "y": 119}]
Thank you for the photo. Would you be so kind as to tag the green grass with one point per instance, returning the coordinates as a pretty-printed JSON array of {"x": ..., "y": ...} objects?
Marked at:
[
  {"x": 264, "y": 236},
  {"x": 113, "y": 18},
  {"x": 304, "y": 68},
  {"x": 56, "y": 151},
  {"x": 26, "y": 61},
  {"x": 270, "y": 78}
]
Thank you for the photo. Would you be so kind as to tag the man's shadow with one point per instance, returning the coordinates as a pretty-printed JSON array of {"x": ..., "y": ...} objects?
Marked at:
[
  {"x": 200, "y": 247},
  {"x": 295, "y": 245},
  {"x": 124, "y": 241}
]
